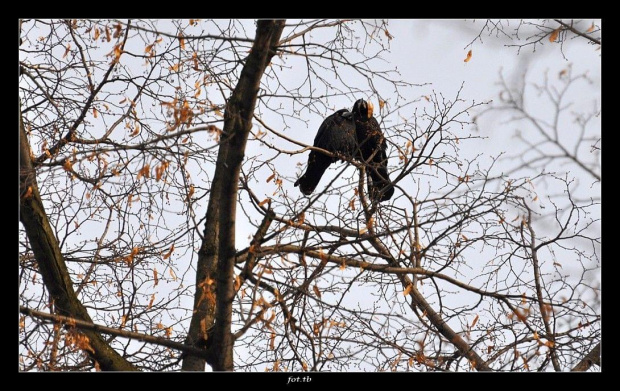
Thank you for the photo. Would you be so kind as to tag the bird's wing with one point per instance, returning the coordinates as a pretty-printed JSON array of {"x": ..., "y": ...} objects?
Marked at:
[{"x": 337, "y": 133}]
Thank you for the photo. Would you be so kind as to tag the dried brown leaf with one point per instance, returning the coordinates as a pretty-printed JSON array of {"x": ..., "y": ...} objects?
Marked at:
[
  {"x": 554, "y": 35},
  {"x": 408, "y": 290},
  {"x": 473, "y": 323},
  {"x": 169, "y": 253},
  {"x": 469, "y": 54}
]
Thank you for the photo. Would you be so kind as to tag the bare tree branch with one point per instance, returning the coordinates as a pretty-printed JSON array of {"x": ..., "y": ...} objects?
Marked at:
[{"x": 82, "y": 325}]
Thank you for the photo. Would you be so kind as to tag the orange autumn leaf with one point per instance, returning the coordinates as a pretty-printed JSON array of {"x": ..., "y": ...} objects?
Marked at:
[
  {"x": 316, "y": 291},
  {"x": 76, "y": 339},
  {"x": 151, "y": 301},
  {"x": 155, "y": 277},
  {"x": 169, "y": 253},
  {"x": 278, "y": 296},
  {"x": 408, "y": 290},
  {"x": 129, "y": 258},
  {"x": 473, "y": 323},
  {"x": 144, "y": 172},
  {"x": 270, "y": 178},
  {"x": 67, "y": 51},
  {"x": 108, "y": 36},
  {"x": 159, "y": 171},
  {"x": 195, "y": 61},
  {"x": 554, "y": 35},
  {"x": 96, "y": 33},
  {"x": 525, "y": 364},
  {"x": 469, "y": 53},
  {"x": 589, "y": 30},
  {"x": 190, "y": 193},
  {"x": 118, "y": 51},
  {"x": 118, "y": 29},
  {"x": 67, "y": 165},
  {"x": 263, "y": 202},
  {"x": 279, "y": 184},
  {"x": 182, "y": 41}
]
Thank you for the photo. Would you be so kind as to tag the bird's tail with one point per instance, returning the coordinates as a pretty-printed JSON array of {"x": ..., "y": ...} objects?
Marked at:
[
  {"x": 317, "y": 164},
  {"x": 381, "y": 187}
]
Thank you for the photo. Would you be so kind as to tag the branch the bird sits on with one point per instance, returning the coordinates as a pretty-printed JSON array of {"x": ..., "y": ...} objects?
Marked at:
[{"x": 352, "y": 134}]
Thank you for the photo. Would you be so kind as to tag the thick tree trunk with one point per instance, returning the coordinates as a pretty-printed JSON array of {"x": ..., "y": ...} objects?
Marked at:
[
  {"x": 592, "y": 358},
  {"x": 50, "y": 260},
  {"x": 210, "y": 327}
]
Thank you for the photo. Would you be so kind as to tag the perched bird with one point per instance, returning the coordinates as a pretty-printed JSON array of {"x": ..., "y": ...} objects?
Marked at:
[
  {"x": 337, "y": 135},
  {"x": 372, "y": 150},
  {"x": 350, "y": 135}
]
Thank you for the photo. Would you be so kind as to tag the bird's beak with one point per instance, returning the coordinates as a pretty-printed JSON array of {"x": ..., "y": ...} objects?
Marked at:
[{"x": 370, "y": 109}]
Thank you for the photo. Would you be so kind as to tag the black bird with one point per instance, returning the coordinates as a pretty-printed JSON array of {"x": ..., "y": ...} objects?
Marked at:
[
  {"x": 372, "y": 148},
  {"x": 337, "y": 135},
  {"x": 355, "y": 135}
]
